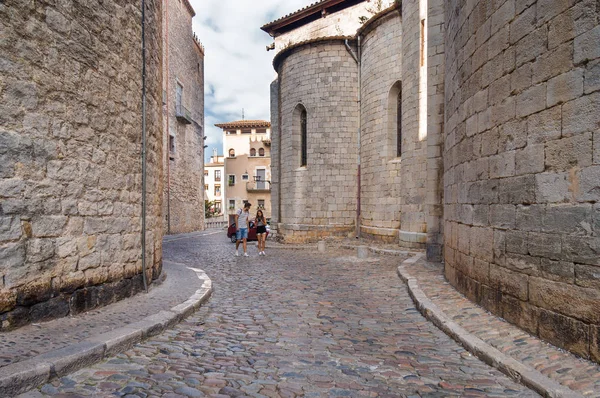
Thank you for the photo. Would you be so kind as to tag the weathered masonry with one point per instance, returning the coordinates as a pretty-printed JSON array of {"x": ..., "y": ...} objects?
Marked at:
[{"x": 471, "y": 129}]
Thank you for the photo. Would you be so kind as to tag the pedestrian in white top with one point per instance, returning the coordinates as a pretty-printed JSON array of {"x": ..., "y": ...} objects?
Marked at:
[{"x": 241, "y": 228}]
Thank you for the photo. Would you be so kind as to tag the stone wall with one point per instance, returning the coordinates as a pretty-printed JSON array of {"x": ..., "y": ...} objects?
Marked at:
[
  {"x": 183, "y": 203},
  {"x": 275, "y": 155},
  {"x": 522, "y": 165},
  {"x": 70, "y": 158},
  {"x": 384, "y": 179},
  {"x": 319, "y": 199}
]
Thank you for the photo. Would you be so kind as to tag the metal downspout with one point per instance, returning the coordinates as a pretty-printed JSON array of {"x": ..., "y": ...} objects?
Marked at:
[
  {"x": 144, "y": 145},
  {"x": 358, "y": 171},
  {"x": 166, "y": 6}
]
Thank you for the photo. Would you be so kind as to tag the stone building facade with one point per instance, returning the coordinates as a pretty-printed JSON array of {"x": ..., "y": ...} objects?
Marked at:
[
  {"x": 183, "y": 120},
  {"x": 70, "y": 156},
  {"x": 497, "y": 106}
]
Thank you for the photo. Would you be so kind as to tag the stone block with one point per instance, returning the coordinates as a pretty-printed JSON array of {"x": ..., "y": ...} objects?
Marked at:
[
  {"x": 568, "y": 219},
  {"x": 587, "y": 276},
  {"x": 522, "y": 25},
  {"x": 529, "y": 160},
  {"x": 552, "y": 187},
  {"x": 464, "y": 235},
  {"x": 565, "y": 87},
  {"x": 73, "y": 357},
  {"x": 499, "y": 247},
  {"x": 117, "y": 341},
  {"x": 553, "y": 63},
  {"x": 10, "y": 228},
  {"x": 529, "y": 218},
  {"x": 567, "y": 299},
  {"x": 586, "y": 46},
  {"x": 520, "y": 78},
  {"x": 589, "y": 184},
  {"x": 509, "y": 282},
  {"x": 516, "y": 242},
  {"x": 490, "y": 299},
  {"x": 481, "y": 243},
  {"x": 564, "y": 332},
  {"x": 513, "y": 135},
  {"x": 531, "y": 100},
  {"x": 23, "y": 376},
  {"x": 544, "y": 245},
  {"x": 566, "y": 153},
  {"x": 56, "y": 307},
  {"x": 559, "y": 271},
  {"x": 48, "y": 226},
  {"x": 581, "y": 115},
  {"x": 523, "y": 264},
  {"x": 544, "y": 126},
  {"x": 517, "y": 190},
  {"x": 520, "y": 313},
  {"x": 595, "y": 343},
  {"x": 581, "y": 249},
  {"x": 532, "y": 45},
  {"x": 591, "y": 78}
]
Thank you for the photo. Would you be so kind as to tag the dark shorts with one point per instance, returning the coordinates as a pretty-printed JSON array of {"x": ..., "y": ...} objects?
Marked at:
[{"x": 261, "y": 230}]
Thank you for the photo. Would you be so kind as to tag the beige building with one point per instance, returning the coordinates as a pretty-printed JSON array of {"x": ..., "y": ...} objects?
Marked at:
[
  {"x": 183, "y": 121},
  {"x": 247, "y": 151},
  {"x": 214, "y": 182},
  {"x": 469, "y": 129}
]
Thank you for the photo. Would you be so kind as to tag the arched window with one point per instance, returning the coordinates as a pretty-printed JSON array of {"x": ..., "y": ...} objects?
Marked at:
[
  {"x": 303, "y": 138},
  {"x": 261, "y": 152},
  {"x": 252, "y": 152},
  {"x": 394, "y": 130},
  {"x": 300, "y": 135},
  {"x": 232, "y": 153}
]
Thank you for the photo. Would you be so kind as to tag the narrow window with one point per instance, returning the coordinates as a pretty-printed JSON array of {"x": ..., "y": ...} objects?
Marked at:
[
  {"x": 303, "y": 138},
  {"x": 399, "y": 123},
  {"x": 178, "y": 98},
  {"x": 261, "y": 152},
  {"x": 245, "y": 177},
  {"x": 217, "y": 175},
  {"x": 231, "y": 180},
  {"x": 252, "y": 152},
  {"x": 206, "y": 173},
  {"x": 218, "y": 206},
  {"x": 217, "y": 190},
  {"x": 422, "y": 42},
  {"x": 261, "y": 203},
  {"x": 206, "y": 187},
  {"x": 231, "y": 204},
  {"x": 232, "y": 153}
]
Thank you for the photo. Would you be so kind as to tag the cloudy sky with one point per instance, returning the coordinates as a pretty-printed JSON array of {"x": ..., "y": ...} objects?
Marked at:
[{"x": 238, "y": 69}]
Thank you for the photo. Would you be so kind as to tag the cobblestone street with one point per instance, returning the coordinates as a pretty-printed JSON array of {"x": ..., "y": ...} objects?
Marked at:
[{"x": 293, "y": 323}]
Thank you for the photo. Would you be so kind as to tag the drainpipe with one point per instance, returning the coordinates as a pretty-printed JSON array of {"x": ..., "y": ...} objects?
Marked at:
[
  {"x": 144, "y": 146},
  {"x": 358, "y": 172},
  {"x": 166, "y": 6}
]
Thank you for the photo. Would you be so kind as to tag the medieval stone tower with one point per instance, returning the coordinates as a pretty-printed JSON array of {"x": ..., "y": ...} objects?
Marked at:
[{"x": 469, "y": 129}]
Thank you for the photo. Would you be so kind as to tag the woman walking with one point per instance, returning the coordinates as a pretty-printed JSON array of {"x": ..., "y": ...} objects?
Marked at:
[{"x": 261, "y": 231}]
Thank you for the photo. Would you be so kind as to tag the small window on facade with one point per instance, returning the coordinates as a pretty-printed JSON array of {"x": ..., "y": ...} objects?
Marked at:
[
  {"x": 231, "y": 204},
  {"x": 394, "y": 129},
  {"x": 232, "y": 153},
  {"x": 245, "y": 177},
  {"x": 252, "y": 152},
  {"x": 261, "y": 203},
  {"x": 171, "y": 143},
  {"x": 218, "y": 206},
  {"x": 206, "y": 187},
  {"x": 303, "y": 139},
  {"x": 399, "y": 123},
  {"x": 217, "y": 190},
  {"x": 261, "y": 152},
  {"x": 231, "y": 180},
  {"x": 217, "y": 175},
  {"x": 206, "y": 173}
]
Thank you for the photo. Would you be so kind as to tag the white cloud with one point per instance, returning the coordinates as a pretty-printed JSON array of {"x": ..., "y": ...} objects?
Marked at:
[{"x": 238, "y": 69}]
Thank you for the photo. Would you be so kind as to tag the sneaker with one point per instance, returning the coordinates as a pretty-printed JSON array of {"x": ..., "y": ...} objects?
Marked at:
[
  {"x": 237, "y": 253},
  {"x": 263, "y": 253},
  {"x": 246, "y": 255}
]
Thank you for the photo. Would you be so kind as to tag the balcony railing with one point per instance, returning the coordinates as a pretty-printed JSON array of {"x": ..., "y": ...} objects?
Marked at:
[
  {"x": 183, "y": 114},
  {"x": 258, "y": 186}
]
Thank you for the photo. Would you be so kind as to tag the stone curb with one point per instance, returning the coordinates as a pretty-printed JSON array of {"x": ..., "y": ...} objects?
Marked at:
[
  {"x": 516, "y": 370},
  {"x": 25, "y": 375}
]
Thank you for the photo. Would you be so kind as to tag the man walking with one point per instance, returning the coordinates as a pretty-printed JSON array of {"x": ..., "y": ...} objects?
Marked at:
[{"x": 241, "y": 228}]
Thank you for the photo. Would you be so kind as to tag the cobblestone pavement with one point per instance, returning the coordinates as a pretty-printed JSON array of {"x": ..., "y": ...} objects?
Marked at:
[
  {"x": 35, "y": 339},
  {"x": 293, "y": 323},
  {"x": 576, "y": 373}
]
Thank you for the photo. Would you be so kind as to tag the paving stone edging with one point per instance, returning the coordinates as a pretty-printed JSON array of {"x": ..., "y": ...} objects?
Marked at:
[
  {"x": 516, "y": 370},
  {"x": 25, "y": 375}
]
